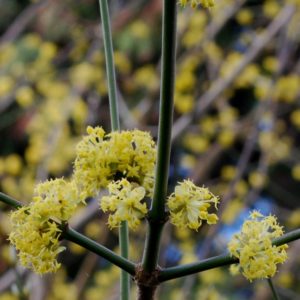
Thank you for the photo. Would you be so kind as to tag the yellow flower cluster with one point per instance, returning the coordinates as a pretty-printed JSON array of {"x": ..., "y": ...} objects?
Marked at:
[
  {"x": 103, "y": 158},
  {"x": 35, "y": 228},
  {"x": 195, "y": 3},
  {"x": 253, "y": 246},
  {"x": 125, "y": 201},
  {"x": 189, "y": 205}
]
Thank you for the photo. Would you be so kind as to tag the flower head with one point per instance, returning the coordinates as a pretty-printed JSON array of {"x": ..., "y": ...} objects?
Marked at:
[
  {"x": 253, "y": 246},
  {"x": 195, "y": 3},
  {"x": 35, "y": 228},
  {"x": 189, "y": 205},
  {"x": 103, "y": 158},
  {"x": 125, "y": 203}
]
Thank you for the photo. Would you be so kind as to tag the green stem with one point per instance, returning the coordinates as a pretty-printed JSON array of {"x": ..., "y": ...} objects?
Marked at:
[
  {"x": 115, "y": 125},
  {"x": 217, "y": 261},
  {"x": 76, "y": 237},
  {"x": 109, "y": 59},
  {"x": 157, "y": 213},
  {"x": 124, "y": 242},
  {"x": 273, "y": 290},
  {"x": 10, "y": 201}
]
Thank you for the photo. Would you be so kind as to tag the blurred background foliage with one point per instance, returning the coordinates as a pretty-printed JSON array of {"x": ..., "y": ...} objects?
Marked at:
[{"x": 236, "y": 128}]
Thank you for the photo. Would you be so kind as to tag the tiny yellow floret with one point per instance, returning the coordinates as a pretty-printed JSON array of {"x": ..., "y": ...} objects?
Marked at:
[
  {"x": 36, "y": 227},
  {"x": 253, "y": 247},
  {"x": 189, "y": 205},
  {"x": 125, "y": 203},
  {"x": 103, "y": 158},
  {"x": 195, "y": 3}
]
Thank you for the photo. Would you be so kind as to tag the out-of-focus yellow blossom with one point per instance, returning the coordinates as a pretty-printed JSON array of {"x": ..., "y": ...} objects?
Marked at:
[
  {"x": 9, "y": 296},
  {"x": 139, "y": 29},
  {"x": 293, "y": 220},
  {"x": 208, "y": 125},
  {"x": 257, "y": 179},
  {"x": 231, "y": 211},
  {"x": 276, "y": 147},
  {"x": 53, "y": 89},
  {"x": 213, "y": 276},
  {"x": 35, "y": 228},
  {"x": 271, "y": 64},
  {"x": 182, "y": 233},
  {"x": 185, "y": 82},
  {"x": 76, "y": 249},
  {"x": 196, "y": 142},
  {"x": 209, "y": 293},
  {"x": 285, "y": 279},
  {"x": 253, "y": 247},
  {"x": 25, "y": 96},
  {"x": 122, "y": 62},
  {"x": 2, "y": 166},
  {"x": 10, "y": 186},
  {"x": 13, "y": 164},
  {"x": 188, "y": 161},
  {"x": 6, "y": 85},
  {"x": 262, "y": 88},
  {"x": 189, "y": 205},
  {"x": 93, "y": 230},
  {"x": 244, "y": 16},
  {"x": 63, "y": 289},
  {"x": 248, "y": 76},
  {"x": 184, "y": 103},
  {"x": 47, "y": 51},
  {"x": 230, "y": 63},
  {"x": 213, "y": 52},
  {"x": 226, "y": 138},
  {"x": 271, "y": 8},
  {"x": 79, "y": 112},
  {"x": 295, "y": 118},
  {"x": 84, "y": 75},
  {"x": 241, "y": 188},
  {"x": 7, "y": 53},
  {"x": 104, "y": 158},
  {"x": 188, "y": 252},
  {"x": 146, "y": 77},
  {"x": 195, "y": 30},
  {"x": 228, "y": 172},
  {"x": 124, "y": 203},
  {"x": 228, "y": 116},
  {"x": 195, "y": 3},
  {"x": 7, "y": 255},
  {"x": 287, "y": 88},
  {"x": 105, "y": 281}
]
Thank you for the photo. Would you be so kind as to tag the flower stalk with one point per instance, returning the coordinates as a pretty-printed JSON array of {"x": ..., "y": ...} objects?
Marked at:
[
  {"x": 115, "y": 126},
  {"x": 157, "y": 215}
]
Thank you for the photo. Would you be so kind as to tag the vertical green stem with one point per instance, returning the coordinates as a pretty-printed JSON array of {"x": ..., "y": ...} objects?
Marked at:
[
  {"x": 115, "y": 125},
  {"x": 157, "y": 212},
  {"x": 110, "y": 69},
  {"x": 124, "y": 243},
  {"x": 274, "y": 292}
]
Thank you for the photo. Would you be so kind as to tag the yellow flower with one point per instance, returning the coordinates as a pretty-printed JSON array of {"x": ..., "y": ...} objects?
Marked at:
[
  {"x": 189, "y": 205},
  {"x": 195, "y": 3},
  {"x": 125, "y": 203},
  {"x": 253, "y": 246},
  {"x": 35, "y": 228},
  {"x": 102, "y": 159}
]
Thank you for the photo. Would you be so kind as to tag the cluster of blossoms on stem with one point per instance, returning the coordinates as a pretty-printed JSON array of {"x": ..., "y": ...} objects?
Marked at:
[
  {"x": 103, "y": 158},
  {"x": 36, "y": 227},
  {"x": 253, "y": 246},
  {"x": 125, "y": 201},
  {"x": 189, "y": 205},
  {"x": 195, "y": 3}
]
